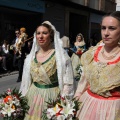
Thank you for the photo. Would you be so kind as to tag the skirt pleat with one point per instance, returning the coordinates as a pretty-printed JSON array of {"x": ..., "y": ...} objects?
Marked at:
[
  {"x": 93, "y": 108},
  {"x": 37, "y": 98}
]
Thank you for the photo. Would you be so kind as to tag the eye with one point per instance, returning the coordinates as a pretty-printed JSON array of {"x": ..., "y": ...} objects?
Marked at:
[
  {"x": 38, "y": 33},
  {"x": 103, "y": 27},
  {"x": 45, "y": 33},
  {"x": 112, "y": 28}
]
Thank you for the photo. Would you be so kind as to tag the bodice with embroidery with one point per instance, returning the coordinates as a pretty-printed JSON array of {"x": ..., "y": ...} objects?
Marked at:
[
  {"x": 50, "y": 67},
  {"x": 102, "y": 77}
]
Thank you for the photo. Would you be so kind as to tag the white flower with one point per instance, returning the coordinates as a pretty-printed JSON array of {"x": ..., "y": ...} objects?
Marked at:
[
  {"x": 49, "y": 114},
  {"x": 68, "y": 109},
  {"x": 7, "y": 110},
  {"x": 53, "y": 111},
  {"x": 16, "y": 101}
]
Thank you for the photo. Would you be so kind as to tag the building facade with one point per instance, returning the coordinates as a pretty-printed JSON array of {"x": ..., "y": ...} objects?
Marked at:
[
  {"x": 118, "y": 5},
  {"x": 70, "y": 17},
  {"x": 78, "y": 16}
]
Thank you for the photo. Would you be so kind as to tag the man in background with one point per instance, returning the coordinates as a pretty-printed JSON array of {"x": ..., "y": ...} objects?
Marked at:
[{"x": 66, "y": 43}]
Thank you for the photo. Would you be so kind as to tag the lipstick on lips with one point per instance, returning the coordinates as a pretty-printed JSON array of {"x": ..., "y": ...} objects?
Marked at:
[{"x": 41, "y": 41}]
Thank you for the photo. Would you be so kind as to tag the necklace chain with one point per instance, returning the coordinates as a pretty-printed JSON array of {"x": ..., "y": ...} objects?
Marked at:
[
  {"x": 110, "y": 57},
  {"x": 46, "y": 54}
]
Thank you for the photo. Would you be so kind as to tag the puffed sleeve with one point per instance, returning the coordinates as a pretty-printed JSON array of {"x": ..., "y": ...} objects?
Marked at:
[
  {"x": 82, "y": 86},
  {"x": 86, "y": 59}
]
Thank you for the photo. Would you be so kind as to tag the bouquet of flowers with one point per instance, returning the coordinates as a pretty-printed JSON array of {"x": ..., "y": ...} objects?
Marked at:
[
  {"x": 80, "y": 51},
  {"x": 13, "y": 105},
  {"x": 79, "y": 71},
  {"x": 61, "y": 109}
]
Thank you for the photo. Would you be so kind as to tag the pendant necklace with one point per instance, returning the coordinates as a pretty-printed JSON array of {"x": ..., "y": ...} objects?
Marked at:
[{"x": 46, "y": 54}]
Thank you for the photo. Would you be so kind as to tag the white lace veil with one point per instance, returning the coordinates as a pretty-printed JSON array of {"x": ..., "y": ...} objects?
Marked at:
[{"x": 60, "y": 59}]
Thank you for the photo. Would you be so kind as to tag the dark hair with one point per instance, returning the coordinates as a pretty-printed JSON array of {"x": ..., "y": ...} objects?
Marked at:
[
  {"x": 115, "y": 14},
  {"x": 50, "y": 30}
]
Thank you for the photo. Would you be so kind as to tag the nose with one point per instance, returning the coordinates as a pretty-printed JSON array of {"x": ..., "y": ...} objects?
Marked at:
[
  {"x": 106, "y": 32},
  {"x": 41, "y": 35}
]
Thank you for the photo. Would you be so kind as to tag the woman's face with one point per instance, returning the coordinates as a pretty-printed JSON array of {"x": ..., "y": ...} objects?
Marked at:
[
  {"x": 110, "y": 30},
  {"x": 43, "y": 36},
  {"x": 79, "y": 38}
]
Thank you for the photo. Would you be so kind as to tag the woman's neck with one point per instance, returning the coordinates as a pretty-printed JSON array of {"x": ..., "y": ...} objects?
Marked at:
[
  {"x": 111, "y": 49},
  {"x": 45, "y": 49}
]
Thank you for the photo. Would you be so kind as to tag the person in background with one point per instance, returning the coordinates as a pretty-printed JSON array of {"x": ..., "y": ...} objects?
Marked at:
[
  {"x": 47, "y": 71},
  {"x": 99, "y": 86},
  {"x": 21, "y": 51},
  {"x": 21, "y": 41},
  {"x": 13, "y": 48},
  {"x": 79, "y": 45},
  {"x": 13, "y": 44},
  {"x": 78, "y": 50},
  {"x": 5, "y": 47},
  {"x": 3, "y": 60},
  {"x": 66, "y": 43},
  {"x": 7, "y": 55}
]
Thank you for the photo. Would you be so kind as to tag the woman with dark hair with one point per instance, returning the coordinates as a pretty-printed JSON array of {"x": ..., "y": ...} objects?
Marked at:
[
  {"x": 47, "y": 71},
  {"x": 99, "y": 86}
]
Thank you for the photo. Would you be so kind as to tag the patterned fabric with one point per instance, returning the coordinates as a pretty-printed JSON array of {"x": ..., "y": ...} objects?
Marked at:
[
  {"x": 50, "y": 67},
  {"x": 63, "y": 63},
  {"x": 99, "y": 88},
  {"x": 102, "y": 77},
  {"x": 35, "y": 95}
]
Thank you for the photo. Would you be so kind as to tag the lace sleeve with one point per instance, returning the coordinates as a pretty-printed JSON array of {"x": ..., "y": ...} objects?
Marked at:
[{"x": 68, "y": 80}]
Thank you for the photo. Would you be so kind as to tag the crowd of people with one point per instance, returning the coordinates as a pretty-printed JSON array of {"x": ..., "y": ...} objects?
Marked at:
[
  {"x": 12, "y": 54},
  {"x": 48, "y": 70}
]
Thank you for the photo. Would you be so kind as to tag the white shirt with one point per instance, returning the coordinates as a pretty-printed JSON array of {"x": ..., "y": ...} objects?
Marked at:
[{"x": 4, "y": 49}]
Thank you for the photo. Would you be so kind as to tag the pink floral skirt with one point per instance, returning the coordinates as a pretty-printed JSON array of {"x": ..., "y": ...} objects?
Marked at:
[{"x": 37, "y": 98}]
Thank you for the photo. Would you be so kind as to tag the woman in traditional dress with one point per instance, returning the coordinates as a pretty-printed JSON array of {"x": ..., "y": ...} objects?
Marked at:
[
  {"x": 78, "y": 50},
  {"x": 99, "y": 87},
  {"x": 79, "y": 45},
  {"x": 47, "y": 71}
]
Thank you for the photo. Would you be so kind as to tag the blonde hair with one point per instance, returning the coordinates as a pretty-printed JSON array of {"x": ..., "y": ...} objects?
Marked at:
[{"x": 23, "y": 29}]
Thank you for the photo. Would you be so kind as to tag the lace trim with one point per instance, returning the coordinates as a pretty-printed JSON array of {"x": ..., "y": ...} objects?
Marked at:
[
  {"x": 95, "y": 72},
  {"x": 97, "y": 60}
]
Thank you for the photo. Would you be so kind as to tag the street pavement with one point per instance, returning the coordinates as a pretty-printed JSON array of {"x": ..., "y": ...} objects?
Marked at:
[{"x": 8, "y": 80}]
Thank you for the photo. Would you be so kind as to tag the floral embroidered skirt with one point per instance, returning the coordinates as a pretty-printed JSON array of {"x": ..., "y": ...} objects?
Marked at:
[
  {"x": 37, "y": 98},
  {"x": 96, "y": 108}
]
